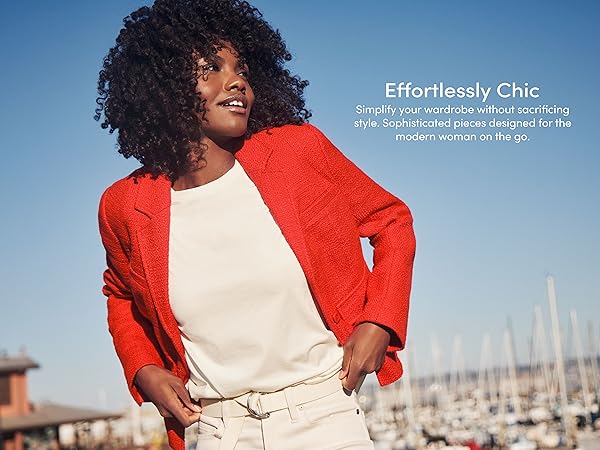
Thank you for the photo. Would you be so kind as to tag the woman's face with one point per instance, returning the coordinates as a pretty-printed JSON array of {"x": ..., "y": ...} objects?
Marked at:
[{"x": 223, "y": 85}]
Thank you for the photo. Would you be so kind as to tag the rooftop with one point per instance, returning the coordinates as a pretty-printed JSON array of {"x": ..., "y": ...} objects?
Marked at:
[
  {"x": 16, "y": 363},
  {"x": 51, "y": 414}
]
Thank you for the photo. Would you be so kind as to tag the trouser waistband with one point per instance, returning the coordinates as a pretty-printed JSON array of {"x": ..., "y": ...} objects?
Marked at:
[{"x": 260, "y": 405}]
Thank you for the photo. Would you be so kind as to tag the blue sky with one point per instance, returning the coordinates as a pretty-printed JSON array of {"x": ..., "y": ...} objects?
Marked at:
[{"x": 492, "y": 219}]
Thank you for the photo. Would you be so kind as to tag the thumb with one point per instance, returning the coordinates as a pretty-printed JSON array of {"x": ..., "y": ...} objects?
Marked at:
[
  {"x": 184, "y": 396},
  {"x": 346, "y": 361}
]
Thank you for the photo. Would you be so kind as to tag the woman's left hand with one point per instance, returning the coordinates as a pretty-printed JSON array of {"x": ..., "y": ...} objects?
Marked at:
[{"x": 364, "y": 353}]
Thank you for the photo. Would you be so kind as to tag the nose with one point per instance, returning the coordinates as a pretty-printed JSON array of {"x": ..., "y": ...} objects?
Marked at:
[{"x": 235, "y": 81}]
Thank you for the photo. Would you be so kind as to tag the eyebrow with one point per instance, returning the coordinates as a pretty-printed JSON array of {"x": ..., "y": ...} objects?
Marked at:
[{"x": 241, "y": 61}]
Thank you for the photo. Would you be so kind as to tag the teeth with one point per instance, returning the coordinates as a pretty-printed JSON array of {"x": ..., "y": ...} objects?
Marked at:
[{"x": 234, "y": 103}]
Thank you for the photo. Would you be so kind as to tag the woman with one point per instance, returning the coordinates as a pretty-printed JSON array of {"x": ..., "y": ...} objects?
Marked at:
[{"x": 238, "y": 296}]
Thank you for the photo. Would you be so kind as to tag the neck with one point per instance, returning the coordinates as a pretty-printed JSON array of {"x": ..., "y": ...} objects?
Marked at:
[{"x": 216, "y": 160}]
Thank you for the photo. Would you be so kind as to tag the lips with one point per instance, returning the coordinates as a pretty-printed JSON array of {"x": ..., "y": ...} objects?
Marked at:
[{"x": 235, "y": 103}]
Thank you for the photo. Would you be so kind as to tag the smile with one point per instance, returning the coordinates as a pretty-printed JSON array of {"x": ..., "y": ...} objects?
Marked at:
[{"x": 236, "y": 103}]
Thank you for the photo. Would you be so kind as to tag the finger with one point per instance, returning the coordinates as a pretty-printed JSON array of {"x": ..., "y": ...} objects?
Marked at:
[
  {"x": 182, "y": 417},
  {"x": 192, "y": 415},
  {"x": 176, "y": 406},
  {"x": 345, "y": 379},
  {"x": 184, "y": 396},
  {"x": 193, "y": 418},
  {"x": 355, "y": 371},
  {"x": 346, "y": 361},
  {"x": 188, "y": 411},
  {"x": 346, "y": 390}
]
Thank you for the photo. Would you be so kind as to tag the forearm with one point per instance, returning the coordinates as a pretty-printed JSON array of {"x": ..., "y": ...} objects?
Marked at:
[
  {"x": 389, "y": 285},
  {"x": 134, "y": 341},
  {"x": 133, "y": 337}
]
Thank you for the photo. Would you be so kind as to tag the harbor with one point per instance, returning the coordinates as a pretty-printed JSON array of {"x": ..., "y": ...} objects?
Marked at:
[{"x": 549, "y": 403}]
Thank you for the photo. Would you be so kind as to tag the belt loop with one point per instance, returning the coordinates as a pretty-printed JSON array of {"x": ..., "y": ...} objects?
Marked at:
[
  {"x": 291, "y": 404},
  {"x": 231, "y": 435}
]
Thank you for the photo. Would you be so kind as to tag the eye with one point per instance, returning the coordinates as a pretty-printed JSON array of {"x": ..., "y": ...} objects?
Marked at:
[
  {"x": 210, "y": 67},
  {"x": 245, "y": 73}
]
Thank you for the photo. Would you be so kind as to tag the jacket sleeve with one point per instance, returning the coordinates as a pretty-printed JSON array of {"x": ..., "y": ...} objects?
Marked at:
[
  {"x": 387, "y": 222},
  {"x": 133, "y": 336}
]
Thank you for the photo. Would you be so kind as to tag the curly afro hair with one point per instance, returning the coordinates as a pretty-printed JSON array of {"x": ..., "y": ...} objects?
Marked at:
[{"x": 147, "y": 85}]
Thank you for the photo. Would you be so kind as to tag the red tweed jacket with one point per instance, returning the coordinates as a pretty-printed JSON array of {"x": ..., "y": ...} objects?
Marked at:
[{"x": 323, "y": 204}]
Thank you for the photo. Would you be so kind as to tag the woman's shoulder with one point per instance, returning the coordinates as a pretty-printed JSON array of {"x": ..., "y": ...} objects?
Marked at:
[
  {"x": 122, "y": 188},
  {"x": 305, "y": 141},
  {"x": 120, "y": 197},
  {"x": 304, "y": 131},
  {"x": 136, "y": 179}
]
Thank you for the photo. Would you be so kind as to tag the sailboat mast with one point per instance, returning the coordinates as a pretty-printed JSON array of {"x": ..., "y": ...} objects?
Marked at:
[
  {"x": 512, "y": 373},
  {"x": 585, "y": 391},
  {"x": 562, "y": 384}
]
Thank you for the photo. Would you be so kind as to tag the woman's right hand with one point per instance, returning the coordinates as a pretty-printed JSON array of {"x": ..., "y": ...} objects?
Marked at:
[{"x": 168, "y": 394}]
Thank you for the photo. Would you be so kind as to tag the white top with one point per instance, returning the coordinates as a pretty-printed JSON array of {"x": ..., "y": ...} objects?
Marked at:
[{"x": 246, "y": 315}]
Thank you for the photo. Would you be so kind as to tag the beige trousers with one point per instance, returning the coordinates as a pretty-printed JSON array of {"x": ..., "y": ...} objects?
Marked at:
[{"x": 335, "y": 421}]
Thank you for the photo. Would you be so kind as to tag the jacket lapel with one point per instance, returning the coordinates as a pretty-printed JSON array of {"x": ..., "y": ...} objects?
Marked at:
[
  {"x": 154, "y": 201},
  {"x": 265, "y": 170}
]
